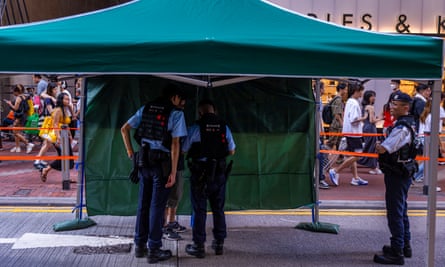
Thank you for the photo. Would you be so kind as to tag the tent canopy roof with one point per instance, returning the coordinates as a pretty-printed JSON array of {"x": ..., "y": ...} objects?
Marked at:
[{"x": 222, "y": 37}]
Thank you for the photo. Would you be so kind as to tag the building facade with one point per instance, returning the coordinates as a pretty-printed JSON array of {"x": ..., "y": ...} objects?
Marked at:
[{"x": 422, "y": 17}]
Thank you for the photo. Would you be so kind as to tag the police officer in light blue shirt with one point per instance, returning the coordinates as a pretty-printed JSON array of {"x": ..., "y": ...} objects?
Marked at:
[
  {"x": 159, "y": 127},
  {"x": 398, "y": 165},
  {"x": 208, "y": 143}
]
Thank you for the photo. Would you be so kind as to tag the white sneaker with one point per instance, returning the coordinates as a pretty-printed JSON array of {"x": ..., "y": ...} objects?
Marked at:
[
  {"x": 16, "y": 149},
  {"x": 334, "y": 176},
  {"x": 73, "y": 144},
  {"x": 375, "y": 171},
  {"x": 358, "y": 181},
  {"x": 29, "y": 147}
]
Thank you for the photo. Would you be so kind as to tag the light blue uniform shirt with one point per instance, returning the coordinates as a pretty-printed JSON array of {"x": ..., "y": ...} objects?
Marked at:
[
  {"x": 398, "y": 137},
  {"x": 176, "y": 126},
  {"x": 194, "y": 136}
]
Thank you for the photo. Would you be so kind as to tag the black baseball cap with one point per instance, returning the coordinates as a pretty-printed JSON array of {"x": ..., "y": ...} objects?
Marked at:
[{"x": 402, "y": 97}]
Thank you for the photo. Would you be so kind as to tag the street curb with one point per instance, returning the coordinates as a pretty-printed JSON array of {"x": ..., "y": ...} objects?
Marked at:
[
  {"x": 373, "y": 204},
  {"x": 324, "y": 204},
  {"x": 37, "y": 201}
]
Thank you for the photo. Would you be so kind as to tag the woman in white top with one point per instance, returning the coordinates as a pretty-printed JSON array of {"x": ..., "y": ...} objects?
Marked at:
[{"x": 352, "y": 130}]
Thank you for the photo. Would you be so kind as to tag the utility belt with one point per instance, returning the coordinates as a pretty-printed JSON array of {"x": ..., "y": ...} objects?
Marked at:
[
  {"x": 405, "y": 169},
  {"x": 154, "y": 157},
  {"x": 206, "y": 170}
]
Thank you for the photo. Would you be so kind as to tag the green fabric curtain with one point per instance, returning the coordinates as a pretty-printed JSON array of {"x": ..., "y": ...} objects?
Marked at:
[{"x": 271, "y": 119}]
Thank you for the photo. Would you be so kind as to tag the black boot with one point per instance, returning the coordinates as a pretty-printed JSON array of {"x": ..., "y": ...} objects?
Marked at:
[
  {"x": 158, "y": 254},
  {"x": 395, "y": 257},
  {"x": 218, "y": 246},
  {"x": 195, "y": 250},
  {"x": 407, "y": 250},
  {"x": 140, "y": 251}
]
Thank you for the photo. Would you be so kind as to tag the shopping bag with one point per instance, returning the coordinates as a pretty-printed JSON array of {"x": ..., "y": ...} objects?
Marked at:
[
  {"x": 32, "y": 122},
  {"x": 47, "y": 132}
]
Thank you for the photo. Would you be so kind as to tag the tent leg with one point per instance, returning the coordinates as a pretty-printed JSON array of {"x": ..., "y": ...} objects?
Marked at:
[
  {"x": 78, "y": 222},
  {"x": 316, "y": 225},
  {"x": 432, "y": 170}
]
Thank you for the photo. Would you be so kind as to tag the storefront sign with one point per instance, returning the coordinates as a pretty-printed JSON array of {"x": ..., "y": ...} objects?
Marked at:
[
  {"x": 415, "y": 17},
  {"x": 401, "y": 26}
]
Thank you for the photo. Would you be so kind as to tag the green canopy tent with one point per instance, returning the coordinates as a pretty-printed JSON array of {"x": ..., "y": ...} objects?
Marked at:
[
  {"x": 189, "y": 38},
  {"x": 230, "y": 37}
]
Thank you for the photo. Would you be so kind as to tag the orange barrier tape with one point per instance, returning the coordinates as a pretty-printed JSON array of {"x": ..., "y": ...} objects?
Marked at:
[
  {"x": 364, "y": 134},
  {"x": 38, "y": 157},
  {"x": 31, "y": 128},
  {"x": 368, "y": 155},
  {"x": 350, "y": 134},
  {"x": 347, "y": 153}
]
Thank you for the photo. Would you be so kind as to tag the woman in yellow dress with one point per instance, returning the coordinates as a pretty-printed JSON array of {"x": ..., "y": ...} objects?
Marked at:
[{"x": 60, "y": 118}]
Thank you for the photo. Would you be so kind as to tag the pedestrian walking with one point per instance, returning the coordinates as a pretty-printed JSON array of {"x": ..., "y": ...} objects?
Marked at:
[{"x": 352, "y": 129}]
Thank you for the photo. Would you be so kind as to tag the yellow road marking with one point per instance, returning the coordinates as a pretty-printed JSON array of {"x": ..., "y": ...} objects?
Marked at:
[
  {"x": 332, "y": 212},
  {"x": 298, "y": 212},
  {"x": 31, "y": 209}
]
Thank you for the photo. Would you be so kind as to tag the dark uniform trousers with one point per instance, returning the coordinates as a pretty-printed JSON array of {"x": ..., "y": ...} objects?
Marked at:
[
  {"x": 151, "y": 206},
  {"x": 397, "y": 209},
  {"x": 215, "y": 192}
]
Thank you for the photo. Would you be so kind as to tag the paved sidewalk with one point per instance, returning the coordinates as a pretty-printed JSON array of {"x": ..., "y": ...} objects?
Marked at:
[
  {"x": 254, "y": 239},
  {"x": 21, "y": 180}
]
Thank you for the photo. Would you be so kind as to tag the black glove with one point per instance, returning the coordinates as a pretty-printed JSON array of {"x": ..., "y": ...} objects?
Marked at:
[{"x": 134, "y": 177}]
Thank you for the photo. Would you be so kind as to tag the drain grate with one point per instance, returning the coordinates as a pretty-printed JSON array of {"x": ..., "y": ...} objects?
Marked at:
[
  {"x": 114, "y": 249},
  {"x": 22, "y": 192}
]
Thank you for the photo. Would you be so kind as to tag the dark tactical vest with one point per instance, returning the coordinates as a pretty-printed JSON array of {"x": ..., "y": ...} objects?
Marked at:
[
  {"x": 398, "y": 161},
  {"x": 154, "y": 123},
  {"x": 213, "y": 143}
]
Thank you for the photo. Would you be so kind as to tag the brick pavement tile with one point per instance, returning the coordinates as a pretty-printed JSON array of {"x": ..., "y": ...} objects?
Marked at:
[{"x": 16, "y": 175}]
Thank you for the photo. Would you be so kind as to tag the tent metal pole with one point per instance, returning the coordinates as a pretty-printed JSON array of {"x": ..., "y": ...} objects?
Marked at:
[
  {"x": 432, "y": 165},
  {"x": 81, "y": 171},
  {"x": 187, "y": 80},
  {"x": 316, "y": 210},
  {"x": 233, "y": 80}
]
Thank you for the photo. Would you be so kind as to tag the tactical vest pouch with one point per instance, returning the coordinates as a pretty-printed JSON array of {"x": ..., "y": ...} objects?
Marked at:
[{"x": 409, "y": 169}]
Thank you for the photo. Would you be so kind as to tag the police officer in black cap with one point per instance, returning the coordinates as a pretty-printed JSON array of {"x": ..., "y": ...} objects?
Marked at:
[
  {"x": 208, "y": 143},
  {"x": 396, "y": 158},
  {"x": 159, "y": 127}
]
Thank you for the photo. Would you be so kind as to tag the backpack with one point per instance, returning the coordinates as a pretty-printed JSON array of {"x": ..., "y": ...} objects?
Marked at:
[
  {"x": 326, "y": 114},
  {"x": 23, "y": 108}
]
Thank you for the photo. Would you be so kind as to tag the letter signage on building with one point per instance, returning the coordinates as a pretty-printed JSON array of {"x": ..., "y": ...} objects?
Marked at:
[{"x": 422, "y": 16}]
